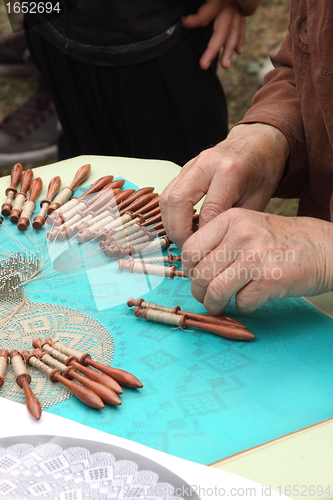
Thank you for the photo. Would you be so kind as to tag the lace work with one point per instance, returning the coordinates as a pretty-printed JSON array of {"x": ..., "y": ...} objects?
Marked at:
[
  {"x": 47, "y": 320},
  {"x": 29, "y": 472}
]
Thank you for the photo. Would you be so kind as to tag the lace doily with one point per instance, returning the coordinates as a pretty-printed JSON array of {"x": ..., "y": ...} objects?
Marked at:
[
  {"x": 30, "y": 470},
  {"x": 75, "y": 328}
]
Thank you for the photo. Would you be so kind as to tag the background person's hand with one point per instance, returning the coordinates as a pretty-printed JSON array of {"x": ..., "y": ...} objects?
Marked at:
[
  {"x": 259, "y": 257},
  {"x": 229, "y": 30},
  {"x": 243, "y": 171}
]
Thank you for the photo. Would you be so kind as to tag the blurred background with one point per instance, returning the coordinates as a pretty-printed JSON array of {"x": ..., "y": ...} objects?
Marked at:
[{"x": 265, "y": 31}]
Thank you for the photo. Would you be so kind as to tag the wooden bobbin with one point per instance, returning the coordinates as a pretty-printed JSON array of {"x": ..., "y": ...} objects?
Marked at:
[
  {"x": 15, "y": 177},
  {"x": 52, "y": 190},
  {"x": 113, "y": 203},
  {"x": 136, "y": 239},
  {"x": 65, "y": 230},
  {"x": 138, "y": 203},
  {"x": 152, "y": 220},
  {"x": 99, "y": 230},
  {"x": 205, "y": 318},
  {"x": 84, "y": 394},
  {"x": 107, "y": 214},
  {"x": 160, "y": 259},
  {"x": 142, "y": 268},
  {"x": 121, "y": 376},
  {"x": 20, "y": 198},
  {"x": 149, "y": 208},
  {"x": 90, "y": 218},
  {"x": 161, "y": 317},
  {"x": 85, "y": 205},
  {"x": 23, "y": 380},
  {"x": 3, "y": 365},
  {"x": 80, "y": 176},
  {"x": 222, "y": 330},
  {"x": 105, "y": 393},
  {"x": 133, "y": 197},
  {"x": 30, "y": 205},
  {"x": 149, "y": 247},
  {"x": 131, "y": 302},
  {"x": 92, "y": 374},
  {"x": 57, "y": 216},
  {"x": 160, "y": 244}
]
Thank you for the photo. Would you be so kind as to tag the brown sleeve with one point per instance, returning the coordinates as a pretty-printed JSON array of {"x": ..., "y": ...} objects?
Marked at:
[{"x": 277, "y": 104}]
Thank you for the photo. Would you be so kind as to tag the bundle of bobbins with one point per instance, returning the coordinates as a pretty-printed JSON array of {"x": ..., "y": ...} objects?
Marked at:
[
  {"x": 223, "y": 326},
  {"x": 19, "y": 205},
  {"x": 124, "y": 223},
  {"x": 94, "y": 386}
]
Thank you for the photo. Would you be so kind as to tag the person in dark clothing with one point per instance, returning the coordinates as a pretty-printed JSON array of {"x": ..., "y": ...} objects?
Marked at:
[{"x": 125, "y": 76}]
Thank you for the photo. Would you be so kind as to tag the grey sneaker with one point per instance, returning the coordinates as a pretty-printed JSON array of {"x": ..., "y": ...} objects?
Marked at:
[
  {"x": 14, "y": 56},
  {"x": 30, "y": 133}
]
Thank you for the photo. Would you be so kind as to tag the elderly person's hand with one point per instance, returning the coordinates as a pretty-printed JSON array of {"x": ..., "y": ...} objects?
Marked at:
[
  {"x": 243, "y": 171},
  {"x": 259, "y": 257},
  {"x": 229, "y": 28}
]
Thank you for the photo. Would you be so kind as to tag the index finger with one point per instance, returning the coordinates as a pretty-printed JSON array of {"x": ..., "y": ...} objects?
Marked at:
[{"x": 177, "y": 202}]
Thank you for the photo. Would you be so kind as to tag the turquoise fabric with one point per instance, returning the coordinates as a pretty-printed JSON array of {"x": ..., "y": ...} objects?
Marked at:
[{"x": 204, "y": 397}]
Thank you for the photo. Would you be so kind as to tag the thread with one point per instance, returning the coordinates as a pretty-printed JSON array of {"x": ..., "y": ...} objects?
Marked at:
[
  {"x": 163, "y": 317},
  {"x": 161, "y": 271},
  {"x": 55, "y": 353},
  {"x": 62, "y": 197},
  {"x": 28, "y": 209},
  {"x": 3, "y": 366},
  {"x": 18, "y": 365},
  {"x": 39, "y": 365},
  {"x": 54, "y": 363},
  {"x": 150, "y": 305},
  {"x": 19, "y": 200},
  {"x": 67, "y": 350}
]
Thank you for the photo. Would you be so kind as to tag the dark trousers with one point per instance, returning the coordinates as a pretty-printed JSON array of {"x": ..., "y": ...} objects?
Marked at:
[{"x": 166, "y": 108}]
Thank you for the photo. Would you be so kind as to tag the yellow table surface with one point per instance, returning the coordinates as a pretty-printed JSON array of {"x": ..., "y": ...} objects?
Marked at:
[{"x": 302, "y": 459}]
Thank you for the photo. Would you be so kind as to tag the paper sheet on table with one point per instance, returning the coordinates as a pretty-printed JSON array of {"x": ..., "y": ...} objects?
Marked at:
[{"x": 68, "y": 460}]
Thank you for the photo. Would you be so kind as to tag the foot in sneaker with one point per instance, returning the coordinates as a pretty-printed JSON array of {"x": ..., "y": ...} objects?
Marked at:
[
  {"x": 14, "y": 56},
  {"x": 30, "y": 133}
]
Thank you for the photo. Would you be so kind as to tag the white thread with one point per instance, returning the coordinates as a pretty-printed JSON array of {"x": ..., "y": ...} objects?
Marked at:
[
  {"x": 62, "y": 197},
  {"x": 126, "y": 233},
  {"x": 152, "y": 269},
  {"x": 150, "y": 305},
  {"x": 43, "y": 210},
  {"x": 47, "y": 359},
  {"x": 108, "y": 218},
  {"x": 117, "y": 222},
  {"x": 37, "y": 363},
  {"x": 18, "y": 365},
  {"x": 3, "y": 366},
  {"x": 152, "y": 247},
  {"x": 71, "y": 213},
  {"x": 68, "y": 350},
  {"x": 28, "y": 209},
  {"x": 163, "y": 317},
  {"x": 19, "y": 200},
  {"x": 137, "y": 241},
  {"x": 10, "y": 197},
  {"x": 55, "y": 353}
]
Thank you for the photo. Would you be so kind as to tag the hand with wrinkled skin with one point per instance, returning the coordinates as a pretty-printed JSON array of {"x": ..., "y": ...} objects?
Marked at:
[
  {"x": 259, "y": 257},
  {"x": 242, "y": 171}
]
